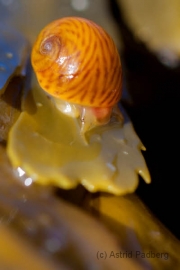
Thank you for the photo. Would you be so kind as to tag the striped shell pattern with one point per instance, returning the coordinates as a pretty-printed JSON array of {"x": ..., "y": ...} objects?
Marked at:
[{"x": 77, "y": 61}]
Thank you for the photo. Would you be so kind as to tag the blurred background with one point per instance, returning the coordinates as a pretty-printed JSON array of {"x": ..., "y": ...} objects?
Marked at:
[
  {"x": 31, "y": 16},
  {"x": 147, "y": 34},
  {"x": 148, "y": 37}
]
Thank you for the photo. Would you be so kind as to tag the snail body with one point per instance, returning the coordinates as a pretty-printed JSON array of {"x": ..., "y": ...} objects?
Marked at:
[
  {"x": 78, "y": 66},
  {"x": 77, "y": 63}
]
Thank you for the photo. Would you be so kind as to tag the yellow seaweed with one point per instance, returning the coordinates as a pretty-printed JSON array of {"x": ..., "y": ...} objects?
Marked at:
[{"x": 47, "y": 145}]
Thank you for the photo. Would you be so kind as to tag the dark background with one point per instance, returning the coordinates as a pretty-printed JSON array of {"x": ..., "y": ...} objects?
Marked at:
[{"x": 154, "y": 111}]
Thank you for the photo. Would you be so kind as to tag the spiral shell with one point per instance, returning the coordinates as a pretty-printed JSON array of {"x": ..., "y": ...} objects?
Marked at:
[{"x": 76, "y": 60}]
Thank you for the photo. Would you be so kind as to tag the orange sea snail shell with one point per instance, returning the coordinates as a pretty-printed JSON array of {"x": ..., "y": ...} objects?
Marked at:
[{"x": 76, "y": 61}]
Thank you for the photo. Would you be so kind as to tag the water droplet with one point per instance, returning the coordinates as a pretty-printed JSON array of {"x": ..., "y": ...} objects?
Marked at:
[
  {"x": 9, "y": 55},
  {"x": 39, "y": 104},
  {"x": 168, "y": 58},
  {"x": 28, "y": 181},
  {"x": 20, "y": 172},
  {"x": 2, "y": 67},
  {"x": 80, "y": 5},
  {"x": 155, "y": 234},
  {"x": 111, "y": 167},
  {"x": 53, "y": 244}
]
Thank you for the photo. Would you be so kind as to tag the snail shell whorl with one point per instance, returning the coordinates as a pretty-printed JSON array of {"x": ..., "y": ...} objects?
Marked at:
[
  {"x": 47, "y": 53},
  {"x": 77, "y": 61}
]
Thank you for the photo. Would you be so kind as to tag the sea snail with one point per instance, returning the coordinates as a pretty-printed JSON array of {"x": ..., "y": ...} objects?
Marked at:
[{"x": 77, "y": 63}]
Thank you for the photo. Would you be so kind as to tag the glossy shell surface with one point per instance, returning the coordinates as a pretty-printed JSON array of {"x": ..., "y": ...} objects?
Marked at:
[{"x": 76, "y": 60}]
